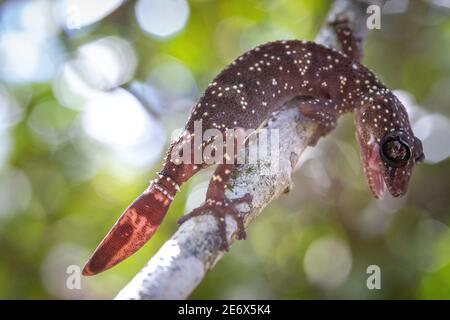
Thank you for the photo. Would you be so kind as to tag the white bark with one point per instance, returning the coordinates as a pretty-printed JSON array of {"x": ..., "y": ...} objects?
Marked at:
[{"x": 184, "y": 260}]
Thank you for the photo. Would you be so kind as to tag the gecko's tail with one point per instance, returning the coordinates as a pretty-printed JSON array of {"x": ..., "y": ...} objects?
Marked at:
[{"x": 133, "y": 229}]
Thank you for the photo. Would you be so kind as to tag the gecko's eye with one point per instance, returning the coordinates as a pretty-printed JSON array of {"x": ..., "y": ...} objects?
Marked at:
[{"x": 395, "y": 151}]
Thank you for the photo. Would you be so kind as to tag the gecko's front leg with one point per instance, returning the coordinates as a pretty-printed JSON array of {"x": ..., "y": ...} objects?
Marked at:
[{"x": 324, "y": 112}]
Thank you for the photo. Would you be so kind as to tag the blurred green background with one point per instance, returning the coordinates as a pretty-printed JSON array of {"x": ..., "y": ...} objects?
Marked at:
[{"x": 92, "y": 91}]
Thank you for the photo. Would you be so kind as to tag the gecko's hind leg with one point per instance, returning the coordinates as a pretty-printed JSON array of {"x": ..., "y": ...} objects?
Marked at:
[
  {"x": 324, "y": 113},
  {"x": 218, "y": 205}
]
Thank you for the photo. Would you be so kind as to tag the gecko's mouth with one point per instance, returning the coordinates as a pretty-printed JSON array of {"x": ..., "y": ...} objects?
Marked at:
[{"x": 373, "y": 171}]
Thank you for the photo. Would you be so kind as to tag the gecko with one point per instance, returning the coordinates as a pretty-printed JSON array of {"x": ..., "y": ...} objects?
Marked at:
[{"x": 258, "y": 83}]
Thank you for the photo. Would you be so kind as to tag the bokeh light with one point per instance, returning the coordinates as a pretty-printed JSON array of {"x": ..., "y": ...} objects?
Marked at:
[
  {"x": 162, "y": 18},
  {"x": 38, "y": 17},
  {"x": 15, "y": 191},
  {"x": 75, "y": 14},
  {"x": 106, "y": 63},
  {"x": 174, "y": 81},
  {"x": 118, "y": 120},
  {"x": 50, "y": 122},
  {"x": 29, "y": 48},
  {"x": 196, "y": 196},
  {"x": 11, "y": 112},
  {"x": 328, "y": 262},
  {"x": 32, "y": 60},
  {"x": 70, "y": 88},
  {"x": 434, "y": 131}
]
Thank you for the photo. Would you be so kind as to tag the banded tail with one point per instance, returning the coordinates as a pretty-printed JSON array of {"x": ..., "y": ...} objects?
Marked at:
[
  {"x": 143, "y": 217},
  {"x": 132, "y": 230}
]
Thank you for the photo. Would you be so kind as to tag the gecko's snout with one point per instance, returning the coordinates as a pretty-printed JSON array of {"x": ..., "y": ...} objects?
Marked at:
[{"x": 388, "y": 163}]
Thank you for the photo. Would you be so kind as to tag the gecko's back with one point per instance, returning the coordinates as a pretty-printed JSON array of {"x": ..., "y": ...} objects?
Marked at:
[{"x": 260, "y": 81}]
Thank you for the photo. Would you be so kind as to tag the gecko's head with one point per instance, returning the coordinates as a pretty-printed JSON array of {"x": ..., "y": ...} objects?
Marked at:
[{"x": 389, "y": 149}]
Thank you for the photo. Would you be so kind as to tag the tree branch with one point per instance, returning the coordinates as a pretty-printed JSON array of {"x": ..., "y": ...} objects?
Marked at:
[{"x": 184, "y": 260}]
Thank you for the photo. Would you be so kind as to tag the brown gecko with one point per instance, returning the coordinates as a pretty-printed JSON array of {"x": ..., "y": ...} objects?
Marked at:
[{"x": 243, "y": 96}]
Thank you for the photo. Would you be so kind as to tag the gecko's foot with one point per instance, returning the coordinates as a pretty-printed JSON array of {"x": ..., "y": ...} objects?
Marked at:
[{"x": 219, "y": 209}]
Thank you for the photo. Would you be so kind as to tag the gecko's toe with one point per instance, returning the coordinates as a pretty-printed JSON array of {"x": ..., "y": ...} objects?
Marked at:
[{"x": 219, "y": 212}]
